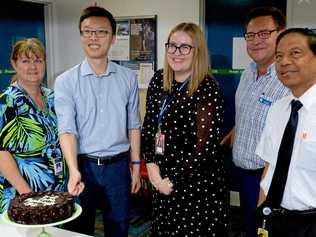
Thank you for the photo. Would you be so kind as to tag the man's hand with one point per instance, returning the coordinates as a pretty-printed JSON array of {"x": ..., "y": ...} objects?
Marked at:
[
  {"x": 135, "y": 178},
  {"x": 229, "y": 138},
  {"x": 134, "y": 139},
  {"x": 75, "y": 185}
]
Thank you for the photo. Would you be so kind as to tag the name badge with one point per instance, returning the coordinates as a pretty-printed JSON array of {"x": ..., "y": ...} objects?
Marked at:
[
  {"x": 262, "y": 232},
  {"x": 58, "y": 164},
  {"x": 159, "y": 143},
  {"x": 58, "y": 168},
  {"x": 264, "y": 100}
]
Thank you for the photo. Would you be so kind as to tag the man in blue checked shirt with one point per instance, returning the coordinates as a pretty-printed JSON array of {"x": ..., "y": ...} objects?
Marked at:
[
  {"x": 97, "y": 106},
  {"x": 258, "y": 89}
]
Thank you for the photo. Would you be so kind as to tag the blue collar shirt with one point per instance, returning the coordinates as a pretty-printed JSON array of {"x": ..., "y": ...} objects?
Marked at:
[
  {"x": 254, "y": 97},
  {"x": 98, "y": 109}
]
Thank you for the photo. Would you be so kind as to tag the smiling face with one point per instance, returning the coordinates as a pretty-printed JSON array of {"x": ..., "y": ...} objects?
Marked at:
[
  {"x": 30, "y": 69},
  {"x": 296, "y": 63},
  {"x": 96, "y": 47},
  {"x": 180, "y": 64},
  {"x": 262, "y": 50}
]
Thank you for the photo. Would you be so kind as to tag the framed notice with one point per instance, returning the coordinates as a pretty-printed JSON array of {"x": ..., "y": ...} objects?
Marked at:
[{"x": 136, "y": 46}]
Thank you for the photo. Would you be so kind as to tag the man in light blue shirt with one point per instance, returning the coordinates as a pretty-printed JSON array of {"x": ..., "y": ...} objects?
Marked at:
[
  {"x": 97, "y": 106},
  {"x": 258, "y": 89}
]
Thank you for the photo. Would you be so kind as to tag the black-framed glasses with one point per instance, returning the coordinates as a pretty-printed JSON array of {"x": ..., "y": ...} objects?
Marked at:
[
  {"x": 184, "y": 49},
  {"x": 263, "y": 34},
  {"x": 98, "y": 33}
]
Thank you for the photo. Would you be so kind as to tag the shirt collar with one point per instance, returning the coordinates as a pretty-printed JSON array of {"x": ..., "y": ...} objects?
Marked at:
[
  {"x": 87, "y": 70},
  {"x": 270, "y": 72},
  {"x": 308, "y": 98}
]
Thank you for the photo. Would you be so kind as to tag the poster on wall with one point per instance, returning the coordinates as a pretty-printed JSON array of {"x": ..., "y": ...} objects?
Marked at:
[
  {"x": 135, "y": 46},
  {"x": 120, "y": 50}
]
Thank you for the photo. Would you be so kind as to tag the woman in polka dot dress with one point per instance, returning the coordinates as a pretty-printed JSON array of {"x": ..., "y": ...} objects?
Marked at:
[{"x": 180, "y": 141}]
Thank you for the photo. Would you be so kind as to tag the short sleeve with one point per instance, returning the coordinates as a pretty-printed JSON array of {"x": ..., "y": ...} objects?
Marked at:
[
  {"x": 2, "y": 121},
  {"x": 265, "y": 147},
  {"x": 7, "y": 114}
]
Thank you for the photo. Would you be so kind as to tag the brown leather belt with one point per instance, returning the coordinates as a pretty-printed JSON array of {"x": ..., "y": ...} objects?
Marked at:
[{"x": 103, "y": 160}]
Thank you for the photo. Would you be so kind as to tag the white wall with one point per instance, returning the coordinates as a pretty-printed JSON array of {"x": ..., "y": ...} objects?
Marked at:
[
  {"x": 301, "y": 13},
  {"x": 65, "y": 47},
  {"x": 66, "y": 39},
  {"x": 65, "y": 13}
]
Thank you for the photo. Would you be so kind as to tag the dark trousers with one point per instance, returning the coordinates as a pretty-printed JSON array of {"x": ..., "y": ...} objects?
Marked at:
[
  {"x": 289, "y": 225},
  {"x": 249, "y": 181},
  {"x": 107, "y": 187}
]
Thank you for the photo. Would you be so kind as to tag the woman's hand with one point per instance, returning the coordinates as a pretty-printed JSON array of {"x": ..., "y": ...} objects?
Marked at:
[
  {"x": 153, "y": 174},
  {"x": 165, "y": 186}
]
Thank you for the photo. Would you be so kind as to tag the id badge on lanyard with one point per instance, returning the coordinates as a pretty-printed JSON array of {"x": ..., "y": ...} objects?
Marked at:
[
  {"x": 58, "y": 163},
  {"x": 159, "y": 143},
  {"x": 160, "y": 136},
  {"x": 262, "y": 232}
]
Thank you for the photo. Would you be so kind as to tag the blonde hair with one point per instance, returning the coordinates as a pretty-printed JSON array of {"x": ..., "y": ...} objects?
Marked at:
[
  {"x": 24, "y": 48},
  {"x": 200, "y": 65}
]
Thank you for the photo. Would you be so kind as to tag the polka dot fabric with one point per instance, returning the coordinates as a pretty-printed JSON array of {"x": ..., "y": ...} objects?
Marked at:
[{"x": 192, "y": 161}]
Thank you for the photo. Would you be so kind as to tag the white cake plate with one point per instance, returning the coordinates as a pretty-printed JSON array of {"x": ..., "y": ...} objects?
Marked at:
[{"x": 77, "y": 213}]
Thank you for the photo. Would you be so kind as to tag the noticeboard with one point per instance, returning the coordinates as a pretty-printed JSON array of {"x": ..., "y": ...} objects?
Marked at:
[{"x": 136, "y": 46}]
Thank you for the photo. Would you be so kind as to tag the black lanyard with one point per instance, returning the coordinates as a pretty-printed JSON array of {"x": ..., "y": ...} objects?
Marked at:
[{"x": 167, "y": 99}]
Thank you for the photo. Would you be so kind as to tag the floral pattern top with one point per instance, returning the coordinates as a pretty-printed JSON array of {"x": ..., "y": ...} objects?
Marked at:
[{"x": 31, "y": 136}]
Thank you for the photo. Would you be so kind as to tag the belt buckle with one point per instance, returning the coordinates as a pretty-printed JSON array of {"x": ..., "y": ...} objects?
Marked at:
[
  {"x": 98, "y": 162},
  {"x": 279, "y": 211}
]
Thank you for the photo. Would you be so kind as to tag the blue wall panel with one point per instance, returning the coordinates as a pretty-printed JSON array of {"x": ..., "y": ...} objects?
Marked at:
[{"x": 18, "y": 20}]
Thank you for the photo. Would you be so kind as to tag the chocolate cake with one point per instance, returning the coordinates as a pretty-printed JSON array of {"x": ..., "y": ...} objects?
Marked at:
[{"x": 41, "y": 207}]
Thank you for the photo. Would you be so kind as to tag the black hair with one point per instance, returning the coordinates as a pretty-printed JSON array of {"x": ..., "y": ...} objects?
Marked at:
[
  {"x": 275, "y": 13},
  {"x": 307, "y": 33},
  {"x": 98, "y": 11}
]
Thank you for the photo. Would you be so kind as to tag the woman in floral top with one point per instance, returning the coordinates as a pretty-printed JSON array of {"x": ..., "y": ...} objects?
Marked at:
[{"x": 30, "y": 154}]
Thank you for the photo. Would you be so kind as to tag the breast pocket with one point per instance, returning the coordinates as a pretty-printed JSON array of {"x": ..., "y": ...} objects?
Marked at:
[{"x": 307, "y": 158}]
